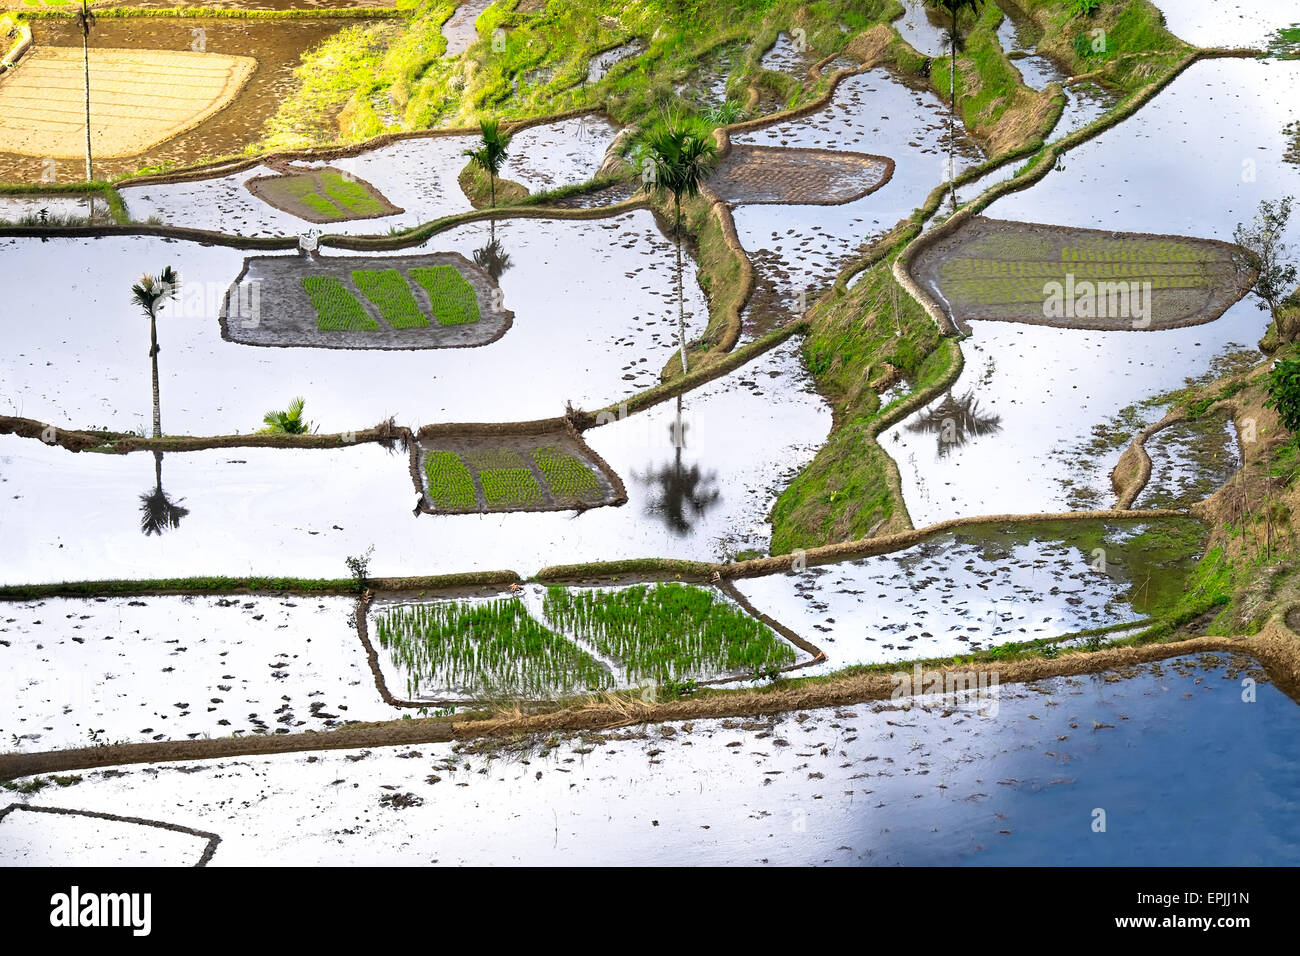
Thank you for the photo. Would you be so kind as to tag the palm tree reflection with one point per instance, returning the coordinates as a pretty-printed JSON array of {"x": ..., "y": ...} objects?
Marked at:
[
  {"x": 682, "y": 494},
  {"x": 493, "y": 258},
  {"x": 956, "y": 420},
  {"x": 158, "y": 513}
]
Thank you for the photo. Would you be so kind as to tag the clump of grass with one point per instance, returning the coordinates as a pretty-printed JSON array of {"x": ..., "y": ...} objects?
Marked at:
[
  {"x": 337, "y": 309},
  {"x": 451, "y": 297},
  {"x": 668, "y": 632},
  {"x": 389, "y": 292},
  {"x": 490, "y": 648},
  {"x": 568, "y": 477},
  {"x": 450, "y": 483}
]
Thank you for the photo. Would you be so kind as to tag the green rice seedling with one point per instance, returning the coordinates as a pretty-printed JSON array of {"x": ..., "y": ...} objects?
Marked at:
[
  {"x": 337, "y": 309},
  {"x": 483, "y": 458},
  {"x": 568, "y": 477},
  {"x": 668, "y": 632},
  {"x": 510, "y": 488},
  {"x": 451, "y": 297},
  {"x": 388, "y": 290},
  {"x": 303, "y": 189},
  {"x": 450, "y": 485},
  {"x": 350, "y": 194},
  {"x": 485, "y": 648}
]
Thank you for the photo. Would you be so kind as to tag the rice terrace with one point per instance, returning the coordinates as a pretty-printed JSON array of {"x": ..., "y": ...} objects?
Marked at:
[{"x": 671, "y": 432}]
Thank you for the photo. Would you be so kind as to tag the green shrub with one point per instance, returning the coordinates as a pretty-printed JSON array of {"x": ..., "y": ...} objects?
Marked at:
[{"x": 1284, "y": 392}]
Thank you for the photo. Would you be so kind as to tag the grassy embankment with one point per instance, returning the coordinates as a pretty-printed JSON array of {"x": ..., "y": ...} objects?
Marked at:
[{"x": 869, "y": 336}]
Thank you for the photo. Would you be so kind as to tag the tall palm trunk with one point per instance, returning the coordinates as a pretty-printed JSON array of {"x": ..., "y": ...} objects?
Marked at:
[
  {"x": 153, "y": 356},
  {"x": 681, "y": 304},
  {"x": 85, "y": 59},
  {"x": 952, "y": 117},
  {"x": 492, "y": 178}
]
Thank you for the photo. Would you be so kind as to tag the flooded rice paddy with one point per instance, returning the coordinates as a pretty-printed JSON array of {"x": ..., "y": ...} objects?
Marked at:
[
  {"x": 699, "y": 487},
  {"x": 1011, "y": 776},
  {"x": 595, "y": 321},
  {"x": 875, "y": 784},
  {"x": 98, "y": 671},
  {"x": 978, "y": 588},
  {"x": 798, "y": 250},
  {"x": 1005, "y": 452},
  {"x": 417, "y": 175}
]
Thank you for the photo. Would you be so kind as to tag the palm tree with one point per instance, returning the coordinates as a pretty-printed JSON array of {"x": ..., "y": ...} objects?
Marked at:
[
  {"x": 150, "y": 293},
  {"x": 954, "y": 8},
  {"x": 86, "y": 20},
  {"x": 158, "y": 513},
  {"x": 288, "y": 422},
  {"x": 492, "y": 152},
  {"x": 680, "y": 157}
]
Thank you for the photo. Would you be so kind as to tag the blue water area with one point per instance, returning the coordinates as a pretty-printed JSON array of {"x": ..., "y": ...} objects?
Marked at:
[{"x": 1187, "y": 772}]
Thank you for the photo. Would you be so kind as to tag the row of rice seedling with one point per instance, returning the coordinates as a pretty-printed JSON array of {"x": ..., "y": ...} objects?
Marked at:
[
  {"x": 484, "y": 458},
  {"x": 510, "y": 488},
  {"x": 1138, "y": 250},
  {"x": 488, "y": 648},
  {"x": 449, "y": 481},
  {"x": 568, "y": 477},
  {"x": 1011, "y": 291},
  {"x": 351, "y": 195},
  {"x": 337, "y": 309},
  {"x": 668, "y": 632},
  {"x": 389, "y": 292},
  {"x": 998, "y": 268},
  {"x": 304, "y": 191},
  {"x": 451, "y": 297}
]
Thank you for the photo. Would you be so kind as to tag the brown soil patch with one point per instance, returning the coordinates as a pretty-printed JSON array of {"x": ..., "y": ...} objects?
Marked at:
[
  {"x": 773, "y": 174},
  {"x": 268, "y": 305},
  {"x": 138, "y": 99},
  {"x": 308, "y": 194},
  {"x": 1067, "y": 277}
]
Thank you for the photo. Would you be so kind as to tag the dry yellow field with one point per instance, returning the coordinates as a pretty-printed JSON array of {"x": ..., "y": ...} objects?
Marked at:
[{"x": 138, "y": 98}]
